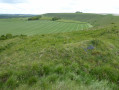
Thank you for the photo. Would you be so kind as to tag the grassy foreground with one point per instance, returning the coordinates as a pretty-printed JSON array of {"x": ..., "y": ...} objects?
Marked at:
[{"x": 80, "y": 60}]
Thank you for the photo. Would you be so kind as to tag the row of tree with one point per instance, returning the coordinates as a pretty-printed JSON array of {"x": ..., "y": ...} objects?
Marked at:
[
  {"x": 78, "y": 12},
  {"x": 38, "y": 17},
  {"x": 55, "y": 18},
  {"x": 34, "y": 18}
]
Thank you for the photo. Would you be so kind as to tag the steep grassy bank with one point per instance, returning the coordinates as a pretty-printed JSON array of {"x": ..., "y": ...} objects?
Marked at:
[{"x": 85, "y": 60}]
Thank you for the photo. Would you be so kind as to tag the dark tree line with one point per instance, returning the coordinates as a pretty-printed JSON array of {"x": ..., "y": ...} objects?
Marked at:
[
  {"x": 9, "y": 36},
  {"x": 34, "y": 18},
  {"x": 55, "y": 18}
]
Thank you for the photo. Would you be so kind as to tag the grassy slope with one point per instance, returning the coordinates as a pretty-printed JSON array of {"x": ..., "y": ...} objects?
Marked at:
[
  {"x": 85, "y": 60},
  {"x": 22, "y": 26},
  {"x": 94, "y": 19}
]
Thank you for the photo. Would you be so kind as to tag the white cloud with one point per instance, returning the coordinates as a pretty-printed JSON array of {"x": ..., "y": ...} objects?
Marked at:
[
  {"x": 12, "y": 1},
  {"x": 49, "y": 6}
]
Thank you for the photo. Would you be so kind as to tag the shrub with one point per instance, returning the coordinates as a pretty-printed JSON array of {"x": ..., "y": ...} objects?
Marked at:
[
  {"x": 8, "y": 36},
  {"x": 34, "y": 18},
  {"x": 78, "y": 12},
  {"x": 3, "y": 37},
  {"x": 55, "y": 18},
  {"x": 112, "y": 23}
]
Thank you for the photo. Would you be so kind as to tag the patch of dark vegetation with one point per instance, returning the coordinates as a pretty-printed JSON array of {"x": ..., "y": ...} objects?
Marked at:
[
  {"x": 7, "y": 36},
  {"x": 4, "y": 77},
  {"x": 32, "y": 80},
  {"x": 112, "y": 23},
  {"x": 9, "y": 45},
  {"x": 55, "y": 18},
  {"x": 2, "y": 48},
  {"x": 10, "y": 36},
  {"x": 78, "y": 12},
  {"x": 34, "y": 18},
  {"x": 107, "y": 73}
]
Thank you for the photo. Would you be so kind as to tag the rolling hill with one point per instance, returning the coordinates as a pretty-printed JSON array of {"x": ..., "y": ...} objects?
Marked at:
[{"x": 94, "y": 19}]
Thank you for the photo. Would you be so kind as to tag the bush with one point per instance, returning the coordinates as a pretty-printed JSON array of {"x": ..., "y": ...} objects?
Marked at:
[
  {"x": 78, "y": 12},
  {"x": 112, "y": 23},
  {"x": 8, "y": 36},
  {"x": 34, "y": 18},
  {"x": 3, "y": 37},
  {"x": 55, "y": 18}
]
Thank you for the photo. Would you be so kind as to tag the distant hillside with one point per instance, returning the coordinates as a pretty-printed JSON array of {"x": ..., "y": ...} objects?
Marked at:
[
  {"x": 14, "y": 15},
  {"x": 94, "y": 19}
]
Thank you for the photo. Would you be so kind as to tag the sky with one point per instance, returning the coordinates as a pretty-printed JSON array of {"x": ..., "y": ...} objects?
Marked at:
[{"x": 58, "y": 6}]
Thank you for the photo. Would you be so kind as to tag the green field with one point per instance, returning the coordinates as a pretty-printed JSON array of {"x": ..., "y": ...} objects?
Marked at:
[{"x": 17, "y": 26}]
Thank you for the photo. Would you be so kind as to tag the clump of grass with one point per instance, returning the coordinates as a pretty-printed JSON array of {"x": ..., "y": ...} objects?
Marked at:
[
  {"x": 53, "y": 78},
  {"x": 60, "y": 69},
  {"x": 106, "y": 72},
  {"x": 12, "y": 82},
  {"x": 4, "y": 76},
  {"x": 45, "y": 70},
  {"x": 32, "y": 80}
]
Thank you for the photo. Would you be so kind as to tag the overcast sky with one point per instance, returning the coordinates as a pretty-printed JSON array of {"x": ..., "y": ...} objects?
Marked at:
[{"x": 54, "y": 6}]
